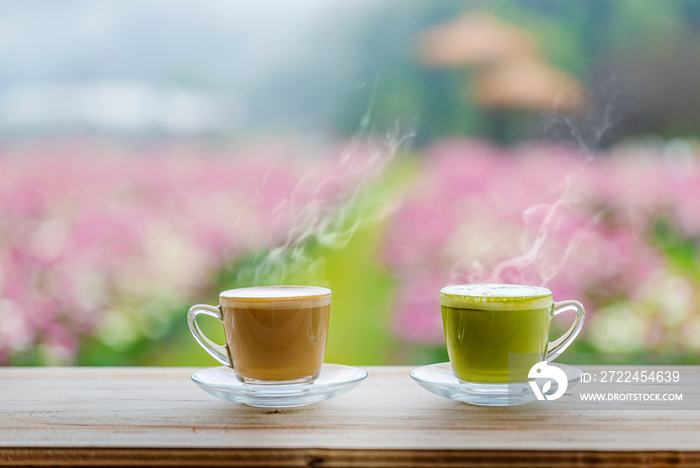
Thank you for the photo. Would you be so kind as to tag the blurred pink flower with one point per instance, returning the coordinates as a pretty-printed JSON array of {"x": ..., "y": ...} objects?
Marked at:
[{"x": 91, "y": 231}]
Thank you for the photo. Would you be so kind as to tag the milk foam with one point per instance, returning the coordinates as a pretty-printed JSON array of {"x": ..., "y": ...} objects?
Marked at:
[{"x": 278, "y": 296}]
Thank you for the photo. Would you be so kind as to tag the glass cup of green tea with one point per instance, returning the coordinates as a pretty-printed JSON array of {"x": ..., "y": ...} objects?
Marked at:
[
  {"x": 275, "y": 335},
  {"x": 496, "y": 332}
]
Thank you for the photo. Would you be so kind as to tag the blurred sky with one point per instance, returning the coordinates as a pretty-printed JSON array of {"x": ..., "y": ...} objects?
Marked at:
[{"x": 172, "y": 66}]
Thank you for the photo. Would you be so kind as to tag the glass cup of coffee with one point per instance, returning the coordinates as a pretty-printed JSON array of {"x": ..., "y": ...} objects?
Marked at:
[
  {"x": 274, "y": 334},
  {"x": 485, "y": 324}
]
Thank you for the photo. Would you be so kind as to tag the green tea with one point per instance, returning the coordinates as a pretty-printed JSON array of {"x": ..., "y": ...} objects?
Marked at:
[{"x": 484, "y": 323}]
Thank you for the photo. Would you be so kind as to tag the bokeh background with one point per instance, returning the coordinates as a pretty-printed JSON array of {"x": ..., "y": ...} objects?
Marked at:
[{"x": 155, "y": 153}]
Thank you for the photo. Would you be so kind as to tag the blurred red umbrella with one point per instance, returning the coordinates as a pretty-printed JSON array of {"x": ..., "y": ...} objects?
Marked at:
[
  {"x": 509, "y": 71},
  {"x": 473, "y": 39},
  {"x": 527, "y": 83}
]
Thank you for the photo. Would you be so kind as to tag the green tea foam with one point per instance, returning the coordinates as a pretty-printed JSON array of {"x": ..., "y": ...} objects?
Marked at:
[{"x": 495, "y": 297}]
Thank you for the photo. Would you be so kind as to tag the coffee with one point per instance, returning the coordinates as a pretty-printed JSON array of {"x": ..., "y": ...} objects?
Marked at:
[
  {"x": 274, "y": 334},
  {"x": 277, "y": 342},
  {"x": 484, "y": 324}
]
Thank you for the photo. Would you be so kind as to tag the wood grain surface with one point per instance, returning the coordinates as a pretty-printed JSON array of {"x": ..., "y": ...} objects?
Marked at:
[{"x": 157, "y": 416}]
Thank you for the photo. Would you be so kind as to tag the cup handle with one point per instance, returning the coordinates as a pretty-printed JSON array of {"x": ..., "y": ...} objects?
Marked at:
[
  {"x": 556, "y": 347},
  {"x": 218, "y": 352}
]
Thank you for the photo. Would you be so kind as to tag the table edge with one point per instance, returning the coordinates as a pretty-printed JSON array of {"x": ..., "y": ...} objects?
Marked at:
[{"x": 320, "y": 457}]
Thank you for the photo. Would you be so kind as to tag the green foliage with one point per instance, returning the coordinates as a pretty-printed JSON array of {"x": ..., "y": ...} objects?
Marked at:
[
  {"x": 680, "y": 250},
  {"x": 634, "y": 19},
  {"x": 582, "y": 38}
]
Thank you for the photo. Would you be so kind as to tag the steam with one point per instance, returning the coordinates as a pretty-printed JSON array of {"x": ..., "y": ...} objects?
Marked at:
[
  {"x": 340, "y": 204},
  {"x": 543, "y": 254},
  {"x": 590, "y": 132}
]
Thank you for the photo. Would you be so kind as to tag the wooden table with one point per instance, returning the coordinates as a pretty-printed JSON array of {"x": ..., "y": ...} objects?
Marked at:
[{"x": 157, "y": 416}]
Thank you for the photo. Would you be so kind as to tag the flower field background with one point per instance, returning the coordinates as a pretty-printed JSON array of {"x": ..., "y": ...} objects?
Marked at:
[{"x": 104, "y": 247}]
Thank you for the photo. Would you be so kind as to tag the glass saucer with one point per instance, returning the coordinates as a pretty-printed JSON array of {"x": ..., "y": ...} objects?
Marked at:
[
  {"x": 334, "y": 381},
  {"x": 439, "y": 379}
]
